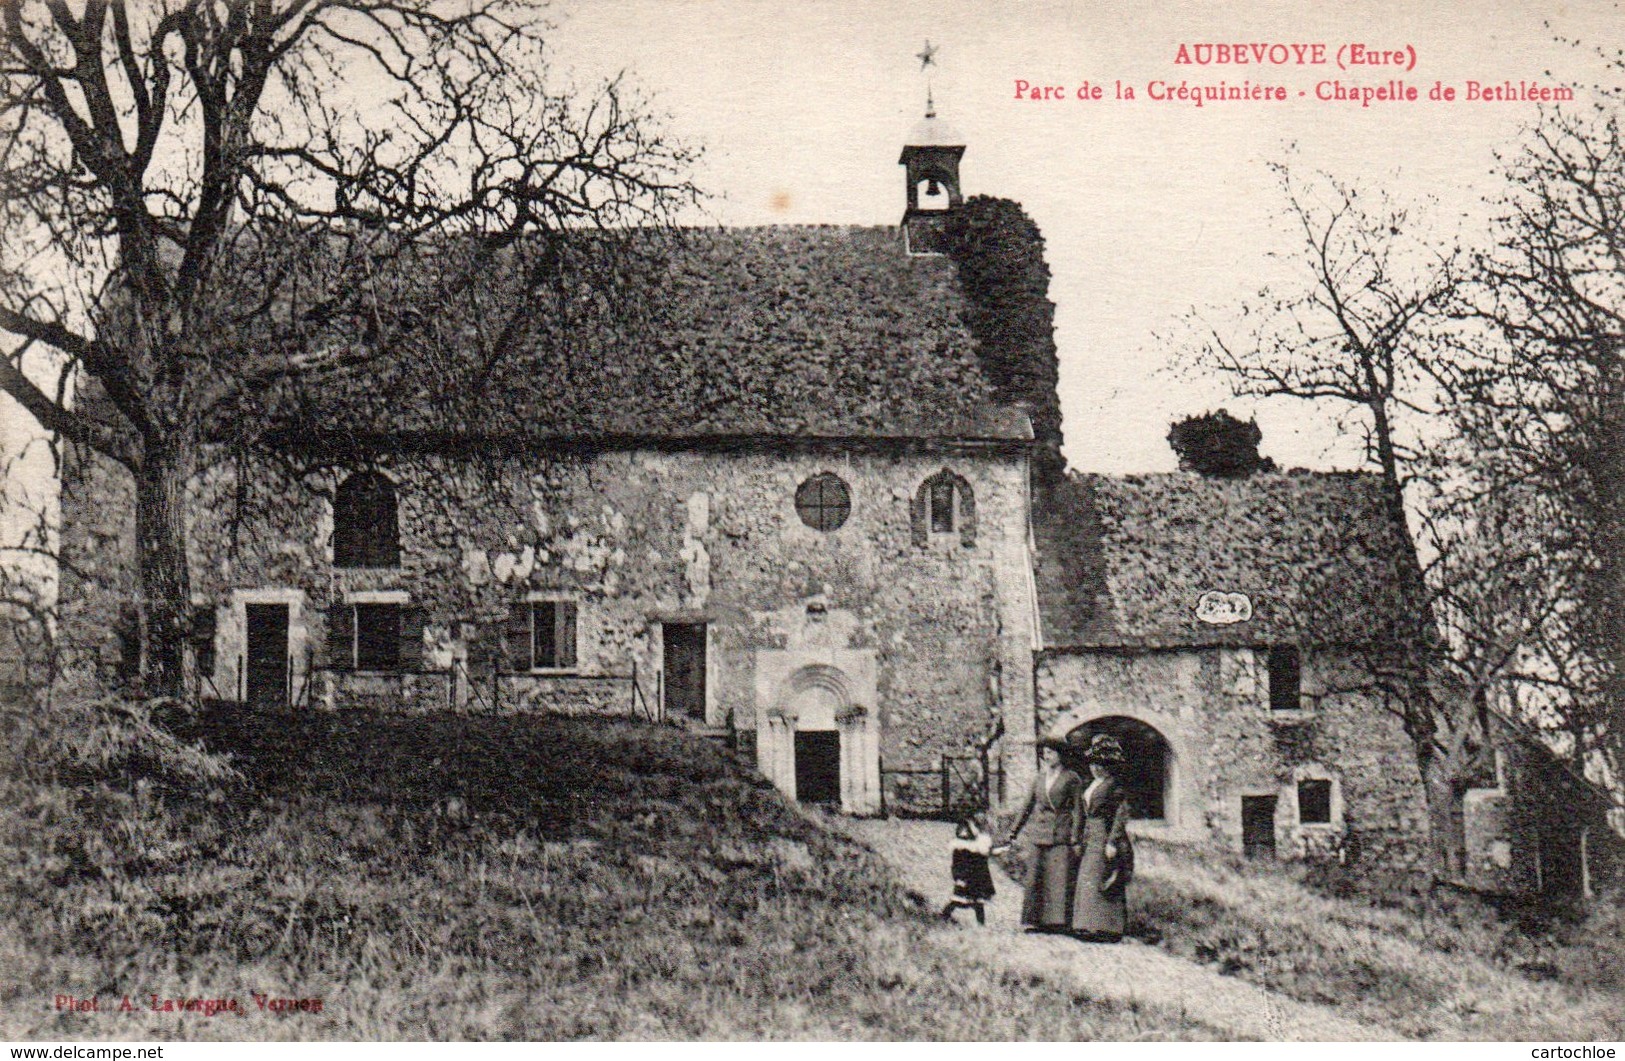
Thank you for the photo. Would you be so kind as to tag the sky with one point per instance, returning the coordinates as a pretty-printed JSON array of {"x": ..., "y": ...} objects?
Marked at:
[{"x": 1150, "y": 209}]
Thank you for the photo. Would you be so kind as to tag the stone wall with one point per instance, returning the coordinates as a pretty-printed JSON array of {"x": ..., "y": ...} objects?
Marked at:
[
  {"x": 1492, "y": 864},
  {"x": 1212, "y": 708},
  {"x": 414, "y": 692},
  {"x": 636, "y": 538}
]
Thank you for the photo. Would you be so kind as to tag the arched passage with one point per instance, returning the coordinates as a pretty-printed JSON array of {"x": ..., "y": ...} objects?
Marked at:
[{"x": 1148, "y": 774}]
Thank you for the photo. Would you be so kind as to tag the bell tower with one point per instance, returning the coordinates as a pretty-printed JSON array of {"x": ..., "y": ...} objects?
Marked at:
[{"x": 930, "y": 161}]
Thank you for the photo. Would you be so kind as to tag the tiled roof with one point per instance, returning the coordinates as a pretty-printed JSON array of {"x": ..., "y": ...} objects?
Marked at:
[
  {"x": 1123, "y": 561},
  {"x": 784, "y": 331}
]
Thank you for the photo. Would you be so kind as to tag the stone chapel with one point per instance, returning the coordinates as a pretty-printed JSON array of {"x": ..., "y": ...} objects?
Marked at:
[{"x": 792, "y": 513}]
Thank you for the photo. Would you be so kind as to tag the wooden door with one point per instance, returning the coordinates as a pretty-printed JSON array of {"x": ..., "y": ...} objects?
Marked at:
[
  {"x": 1561, "y": 870},
  {"x": 1258, "y": 826},
  {"x": 267, "y": 678},
  {"x": 684, "y": 669},
  {"x": 818, "y": 766}
]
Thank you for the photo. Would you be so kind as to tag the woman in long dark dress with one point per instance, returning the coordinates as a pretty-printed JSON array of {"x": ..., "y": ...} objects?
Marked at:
[
  {"x": 1100, "y": 905},
  {"x": 1057, "y": 820}
]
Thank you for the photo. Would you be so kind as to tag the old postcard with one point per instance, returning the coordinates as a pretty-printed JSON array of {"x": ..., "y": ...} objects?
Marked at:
[{"x": 708, "y": 520}]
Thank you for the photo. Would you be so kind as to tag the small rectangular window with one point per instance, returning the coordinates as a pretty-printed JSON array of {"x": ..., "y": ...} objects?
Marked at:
[
  {"x": 1314, "y": 802},
  {"x": 1286, "y": 678},
  {"x": 553, "y": 635},
  {"x": 942, "y": 506},
  {"x": 377, "y": 636}
]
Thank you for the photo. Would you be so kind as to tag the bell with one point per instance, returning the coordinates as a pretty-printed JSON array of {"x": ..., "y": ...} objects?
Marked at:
[{"x": 932, "y": 187}]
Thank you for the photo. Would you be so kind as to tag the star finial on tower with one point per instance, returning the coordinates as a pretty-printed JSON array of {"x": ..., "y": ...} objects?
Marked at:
[{"x": 927, "y": 55}]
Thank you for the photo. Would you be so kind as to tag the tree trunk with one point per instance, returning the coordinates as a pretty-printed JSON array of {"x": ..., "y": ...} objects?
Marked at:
[
  {"x": 1418, "y": 636},
  {"x": 165, "y": 602}
]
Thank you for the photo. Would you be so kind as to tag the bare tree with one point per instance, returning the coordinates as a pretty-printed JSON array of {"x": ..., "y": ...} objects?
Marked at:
[
  {"x": 1488, "y": 391},
  {"x": 1357, "y": 330},
  {"x": 28, "y": 566},
  {"x": 198, "y": 199},
  {"x": 1544, "y": 412},
  {"x": 1368, "y": 329}
]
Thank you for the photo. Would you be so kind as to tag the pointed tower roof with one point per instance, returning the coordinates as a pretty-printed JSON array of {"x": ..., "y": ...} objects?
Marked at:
[{"x": 932, "y": 131}]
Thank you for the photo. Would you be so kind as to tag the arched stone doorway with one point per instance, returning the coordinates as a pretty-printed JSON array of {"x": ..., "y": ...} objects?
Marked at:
[
  {"x": 1148, "y": 774},
  {"x": 818, "y": 746}
]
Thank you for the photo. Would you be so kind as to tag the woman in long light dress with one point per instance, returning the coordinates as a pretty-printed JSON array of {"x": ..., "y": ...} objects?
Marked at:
[
  {"x": 1100, "y": 904},
  {"x": 1056, "y": 814}
]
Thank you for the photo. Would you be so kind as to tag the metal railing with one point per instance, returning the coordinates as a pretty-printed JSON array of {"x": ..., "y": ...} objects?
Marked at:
[
  {"x": 958, "y": 784},
  {"x": 493, "y": 691},
  {"x": 652, "y": 710},
  {"x": 485, "y": 691}
]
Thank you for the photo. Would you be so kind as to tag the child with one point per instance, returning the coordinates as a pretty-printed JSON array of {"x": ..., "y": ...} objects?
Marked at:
[{"x": 973, "y": 881}]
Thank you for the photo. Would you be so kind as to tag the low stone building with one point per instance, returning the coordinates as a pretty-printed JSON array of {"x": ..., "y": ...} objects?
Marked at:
[
  {"x": 1528, "y": 823},
  {"x": 1226, "y": 630}
]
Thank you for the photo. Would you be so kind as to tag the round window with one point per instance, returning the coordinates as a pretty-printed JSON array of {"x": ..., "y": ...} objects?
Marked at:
[{"x": 823, "y": 502}]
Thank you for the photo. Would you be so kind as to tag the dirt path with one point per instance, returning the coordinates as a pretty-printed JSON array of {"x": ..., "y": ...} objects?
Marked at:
[{"x": 1128, "y": 972}]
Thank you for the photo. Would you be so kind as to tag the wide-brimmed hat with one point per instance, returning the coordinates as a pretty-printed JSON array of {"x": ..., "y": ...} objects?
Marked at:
[{"x": 1104, "y": 748}]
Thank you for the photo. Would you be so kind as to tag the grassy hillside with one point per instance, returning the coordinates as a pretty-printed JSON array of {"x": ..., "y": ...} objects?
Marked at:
[
  {"x": 456, "y": 877},
  {"x": 1433, "y": 964}
]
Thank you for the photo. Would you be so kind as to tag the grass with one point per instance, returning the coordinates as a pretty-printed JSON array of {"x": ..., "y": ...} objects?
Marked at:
[
  {"x": 453, "y": 877},
  {"x": 1429, "y": 963},
  {"x": 539, "y": 878}
]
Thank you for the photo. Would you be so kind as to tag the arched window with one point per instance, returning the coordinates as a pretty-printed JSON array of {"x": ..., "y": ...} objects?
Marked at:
[
  {"x": 944, "y": 505},
  {"x": 366, "y": 532}
]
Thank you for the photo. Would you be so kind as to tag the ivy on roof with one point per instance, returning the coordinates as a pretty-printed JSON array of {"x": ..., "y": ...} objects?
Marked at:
[
  {"x": 1315, "y": 552},
  {"x": 782, "y": 331}
]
